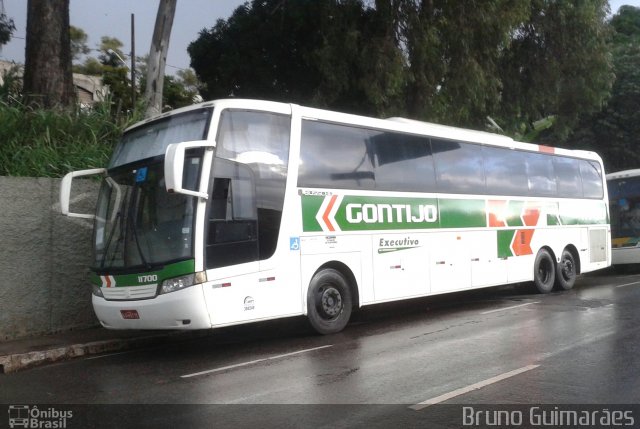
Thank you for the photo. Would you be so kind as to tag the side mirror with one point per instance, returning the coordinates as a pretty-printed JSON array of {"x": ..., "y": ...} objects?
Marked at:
[
  {"x": 65, "y": 191},
  {"x": 174, "y": 167}
]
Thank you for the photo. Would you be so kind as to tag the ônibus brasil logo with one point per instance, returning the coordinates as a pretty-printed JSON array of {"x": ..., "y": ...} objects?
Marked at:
[{"x": 26, "y": 416}]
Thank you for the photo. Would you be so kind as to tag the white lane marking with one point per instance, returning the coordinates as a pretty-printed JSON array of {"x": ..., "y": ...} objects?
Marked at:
[
  {"x": 628, "y": 284},
  {"x": 471, "y": 388},
  {"x": 238, "y": 365},
  {"x": 509, "y": 308}
]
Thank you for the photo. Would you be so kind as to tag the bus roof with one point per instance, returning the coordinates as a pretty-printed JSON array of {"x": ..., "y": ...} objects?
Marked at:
[
  {"x": 622, "y": 174},
  {"x": 396, "y": 124}
]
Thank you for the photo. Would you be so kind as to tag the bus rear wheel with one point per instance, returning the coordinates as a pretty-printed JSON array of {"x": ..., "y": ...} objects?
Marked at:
[
  {"x": 328, "y": 302},
  {"x": 566, "y": 271},
  {"x": 544, "y": 271}
]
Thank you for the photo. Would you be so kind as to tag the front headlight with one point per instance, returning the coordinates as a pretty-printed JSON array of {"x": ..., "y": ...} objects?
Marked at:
[
  {"x": 183, "y": 282},
  {"x": 96, "y": 290}
]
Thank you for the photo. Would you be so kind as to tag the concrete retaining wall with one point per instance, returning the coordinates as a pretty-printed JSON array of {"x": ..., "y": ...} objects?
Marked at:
[{"x": 44, "y": 258}]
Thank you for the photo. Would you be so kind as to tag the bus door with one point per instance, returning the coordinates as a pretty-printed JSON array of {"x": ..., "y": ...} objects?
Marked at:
[
  {"x": 231, "y": 244},
  {"x": 245, "y": 252}
]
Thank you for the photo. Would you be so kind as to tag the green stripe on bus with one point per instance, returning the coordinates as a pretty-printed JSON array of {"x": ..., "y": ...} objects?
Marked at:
[
  {"x": 553, "y": 216},
  {"x": 310, "y": 207},
  {"x": 459, "y": 213},
  {"x": 360, "y": 213},
  {"x": 169, "y": 271},
  {"x": 505, "y": 237},
  {"x": 514, "y": 213}
]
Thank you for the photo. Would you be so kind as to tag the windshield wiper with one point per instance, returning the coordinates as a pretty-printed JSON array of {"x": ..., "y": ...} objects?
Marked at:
[
  {"x": 117, "y": 222},
  {"x": 134, "y": 226}
]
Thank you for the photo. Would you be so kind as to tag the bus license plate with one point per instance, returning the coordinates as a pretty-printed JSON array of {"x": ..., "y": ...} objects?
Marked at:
[{"x": 130, "y": 314}]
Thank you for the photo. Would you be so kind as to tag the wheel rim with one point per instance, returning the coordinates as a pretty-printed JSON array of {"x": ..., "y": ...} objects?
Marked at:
[
  {"x": 329, "y": 303},
  {"x": 567, "y": 268}
]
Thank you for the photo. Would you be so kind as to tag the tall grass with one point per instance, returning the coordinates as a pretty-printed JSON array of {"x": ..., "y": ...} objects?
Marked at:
[{"x": 50, "y": 143}]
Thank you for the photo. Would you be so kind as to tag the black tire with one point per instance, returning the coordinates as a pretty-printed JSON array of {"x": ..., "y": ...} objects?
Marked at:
[
  {"x": 329, "y": 302},
  {"x": 544, "y": 271},
  {"x": 566, "y": 271}
]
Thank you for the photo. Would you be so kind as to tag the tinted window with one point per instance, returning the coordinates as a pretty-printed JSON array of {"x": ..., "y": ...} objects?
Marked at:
[
  {"x": 568, "y": 179},
  {"x": 459, "y": 166},
  {"x": 260, "y": 141},
  {"x": 505, "y": 171},
  {"x": 403, "y": 162},
  {"x": 591, "y": 179},
  {"x": 624, "y": 187},
  {"x": 335, "y": 156},
  {"x": 233, "y": 227},
  {"x": 540, "y": 175}
]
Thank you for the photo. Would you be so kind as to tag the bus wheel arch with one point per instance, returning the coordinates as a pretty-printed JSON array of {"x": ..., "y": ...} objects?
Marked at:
[
  {"x": 567, "y": 269},
  {"x": 331, "y": 297},
  {"x": 544, "y": 270}
]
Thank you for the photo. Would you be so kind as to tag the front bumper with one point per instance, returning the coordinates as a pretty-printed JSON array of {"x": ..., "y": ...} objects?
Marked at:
[{"x": 183, "y": 309}]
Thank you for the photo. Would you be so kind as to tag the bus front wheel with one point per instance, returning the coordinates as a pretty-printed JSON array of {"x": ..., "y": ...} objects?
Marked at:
[
  {"x": 544, "y": 271},
  {"x": 566, "y": 271},
  {"x": 328, "y": 302}
]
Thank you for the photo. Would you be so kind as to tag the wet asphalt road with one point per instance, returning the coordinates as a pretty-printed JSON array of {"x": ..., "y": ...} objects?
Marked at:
[{"x": 500, "y": 346}]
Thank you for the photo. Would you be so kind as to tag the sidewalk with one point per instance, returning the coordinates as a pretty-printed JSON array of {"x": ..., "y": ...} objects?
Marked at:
[{"x": 16, "y": 355}]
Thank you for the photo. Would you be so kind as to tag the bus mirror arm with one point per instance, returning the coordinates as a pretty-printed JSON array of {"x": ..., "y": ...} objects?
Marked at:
[
  {"x": 174, "y": 167},
  {"x": 65, "y": 191}
]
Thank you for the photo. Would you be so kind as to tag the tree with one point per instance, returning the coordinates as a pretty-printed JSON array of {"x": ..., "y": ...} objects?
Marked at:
[
  {"x": 111, "y": 67},
  {"x": 614, "y": 132},
  {"x": 326, "y": 53},
  {"x": 7, "y": 27},
  {"x": 178, "y": 91},
  {"x": 454, "y": 52},
  {"x": 158, "y": 56},
  {"x": 79, "y": 45},
  {"x": 519, "y": 61},
  {"x": 557, "y": 65},
  {"x": 115, "y": 73},
  {"x": 175, "y": 93},
  {"x": 48, "y": 79}
]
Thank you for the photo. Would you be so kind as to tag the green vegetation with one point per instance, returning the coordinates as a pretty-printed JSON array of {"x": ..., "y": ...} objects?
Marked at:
[
  {"x": 453, "y": 63},
  {"x": 614, "y": 131},
  {"x": 50, "y": 143}
]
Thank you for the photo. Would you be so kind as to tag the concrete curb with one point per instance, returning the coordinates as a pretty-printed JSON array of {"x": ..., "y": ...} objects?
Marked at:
[{"x": 20, "y": 361}]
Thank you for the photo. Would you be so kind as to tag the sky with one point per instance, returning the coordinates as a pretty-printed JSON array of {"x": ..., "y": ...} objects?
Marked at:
[{"x": 113, "y": 18}]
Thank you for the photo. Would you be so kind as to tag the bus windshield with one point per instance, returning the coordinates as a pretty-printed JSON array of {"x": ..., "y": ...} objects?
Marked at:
[
  {"x": 139, "y": 224},
  {"x": 624, "y": 197},
  {"x": 151, "y": 140}
]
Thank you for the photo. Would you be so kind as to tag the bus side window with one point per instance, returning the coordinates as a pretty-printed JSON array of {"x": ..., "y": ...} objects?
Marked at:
[
  {"x": 232, "y": 236},
  {"x": 591, "y": 179},
  {"x": 568, "y": 177},
  {"x": 459, "y": 167}
]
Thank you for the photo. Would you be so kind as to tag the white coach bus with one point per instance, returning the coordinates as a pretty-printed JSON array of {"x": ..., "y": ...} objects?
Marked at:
[
  {"x": 237, "y": 211},
  {"x": 624, "y": 202}
]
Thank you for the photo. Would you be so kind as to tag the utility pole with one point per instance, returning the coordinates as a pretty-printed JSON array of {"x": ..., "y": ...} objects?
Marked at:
[
  {"x": 158, "y": 57},
  {"x": 133, "y": 60}
]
